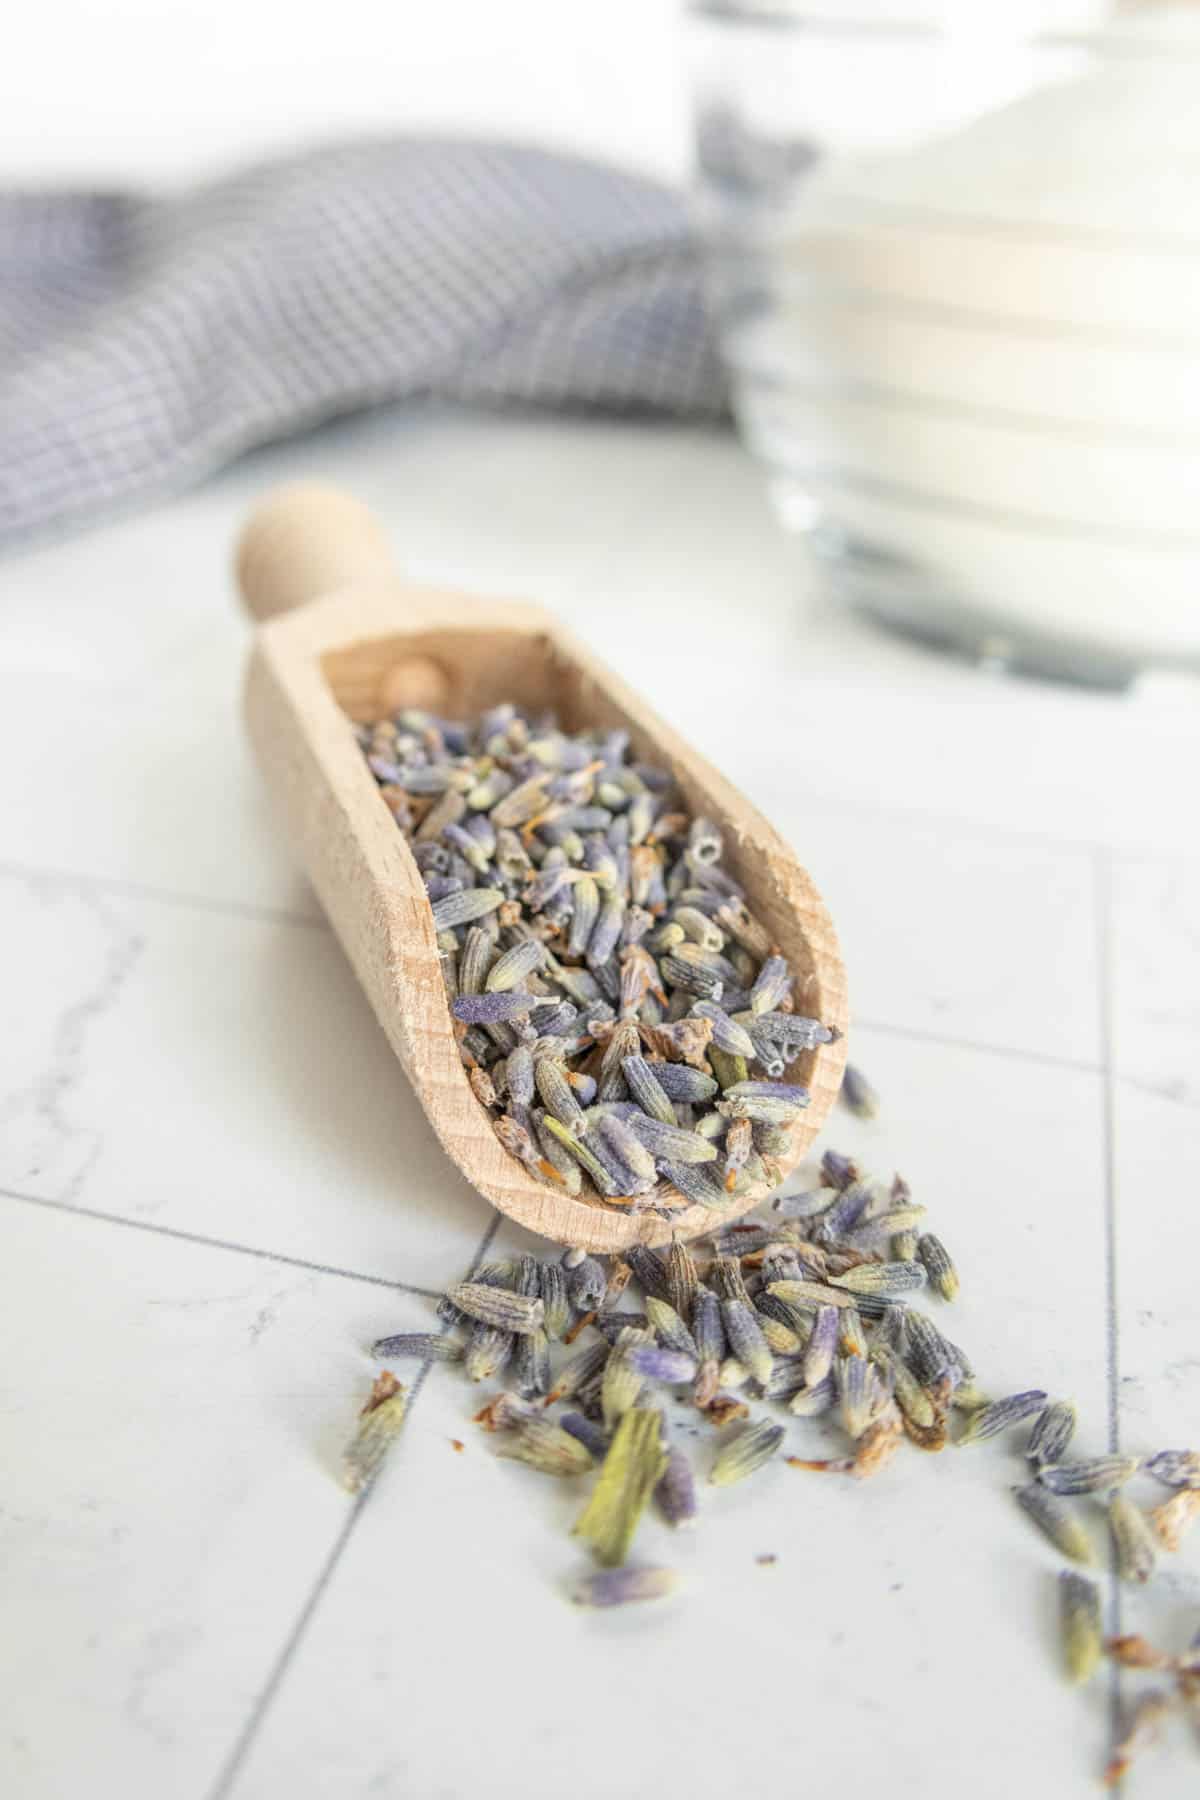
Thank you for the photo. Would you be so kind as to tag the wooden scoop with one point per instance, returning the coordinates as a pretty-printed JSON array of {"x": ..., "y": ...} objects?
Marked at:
[{"x": 342, "y": 637}]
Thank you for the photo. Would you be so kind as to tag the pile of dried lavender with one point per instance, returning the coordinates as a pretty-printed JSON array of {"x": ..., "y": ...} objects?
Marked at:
[
  {"x": 810, "y": 1313},
  {"x": 620, "y": 1011}
]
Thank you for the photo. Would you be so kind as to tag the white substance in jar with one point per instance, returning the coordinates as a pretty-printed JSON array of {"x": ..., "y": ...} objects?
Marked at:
[{"x": 997, "y": 332}]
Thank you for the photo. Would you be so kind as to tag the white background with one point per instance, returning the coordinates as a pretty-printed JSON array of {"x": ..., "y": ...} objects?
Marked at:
[{"x": 139, "y": 90}]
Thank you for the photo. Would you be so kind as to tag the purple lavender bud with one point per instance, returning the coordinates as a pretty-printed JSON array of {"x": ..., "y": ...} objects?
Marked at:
[
  {"x": 656, "y": 1364},
  {"x": 675, "y": 1495},
  {"x": 491, "y": 1009}
]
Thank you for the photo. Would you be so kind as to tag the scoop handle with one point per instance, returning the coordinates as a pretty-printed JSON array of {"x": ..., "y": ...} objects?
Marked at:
[{"x": 305, "y": 540}]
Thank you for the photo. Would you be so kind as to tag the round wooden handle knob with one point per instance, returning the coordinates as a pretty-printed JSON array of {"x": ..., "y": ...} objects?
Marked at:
[{"x": 307, "y": 540}]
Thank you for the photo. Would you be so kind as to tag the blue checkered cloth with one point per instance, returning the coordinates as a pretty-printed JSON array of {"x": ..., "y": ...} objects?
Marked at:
[{"x": 147, "y": 341}]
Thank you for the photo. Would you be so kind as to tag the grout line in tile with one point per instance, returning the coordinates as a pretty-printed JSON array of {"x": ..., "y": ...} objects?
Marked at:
[
  {"x": 1102, "y": 889},
  {"x": 212, "y": 1243},
  {"x": 1043, "y": 1058},
  {"x": 228, "y": 1774},
  {"x": 160, "y": 896},
  {"x": 1104, "y": 938}
]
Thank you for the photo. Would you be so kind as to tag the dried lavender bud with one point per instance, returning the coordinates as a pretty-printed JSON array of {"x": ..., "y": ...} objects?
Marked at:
[
  {"x": 807, "y": 1205},
  {"x": 704, "y": 843},
  {"x": 916, "y": 1407},
  {"x": 925, "y": 1350},
  {"x": 857, "y": 1095},
  {"x": 781, "y": 1340},
  {"x": 546, "y": 1447},
  {"x": 943, "y": 1276},
  {"x": 852, "y": 1337},
  {"x": 586, "y": 1285},
  {"x": 709, "y": 1333},
  {"x": 515, "y": 965},
  {"x": 742, "y": 1455},
  {"x": 1079, "y": 1613},
  {"x": 1064, "y": 1530},
  {"x": 519, "y": 1073},
  {"x": 726, "y": 1280},
  {"x": 620, "y": 1147},
  {"x": 497, "y": 1306},
  {"x": 745, "y": 1337},
  {"x": 531, "y": 1365},
  {"x": 610, "y": 1325},
  {"x": 649, "y": 1271},
  {"x": 1000, "y": 1416},
  {"x": 681, "y": 1083},
  {"x": 736, "y": 920},
  {"x": 675, "y": 1494},
  {"x": 1052, "y": 1432},
  {"x": 520, "y": 803},
  {"x": 1094, "y": 1475},
  {"x": 561, "y": 1163},
  {"x": 489, "y": 1349},
  {"x": 669, "y": 1328},
  {"x": 1175, "y": 1516},
  {"x": 623, "y": 1041},
  {"x": 860, "y": 1391},
  {"x": 839, "y": 1171},
  {"x": 424, "y": 1346},
  {"x": 645, "y": 1088},
  {"x": 378, "y": 1426},
  {"x": 810, "y": 1401},
  {"x": 772, "y": 1102},
  {"x": 492, "y": 1009},
  {"x": 780, "y": 1261},
  {"x": 623, "y": 1587},
  {"x": 557, "y": 1095},
  {"x": 809, "y": 1293},
  {"x": 580, "y": 1371},
  {"x": 607, "y": 929},
  {"x": 786, "y": 1379},
  {"x": 622, "y": 1384},
  {"x": 821, "y": 1345},
  {"x": 556, "y": 1308},
  {"x": 850, "y": 1207},
  {"x": 464, "y": 907},
  {"x": 729, "y": 1035},
  {"x": 668, "y": 1143},
  {"x": 681, "y": 1279},
  {"x": 882, "y": 1280},
  {"x": 628, "y": 1476},
  {"x": 656, "y": 1364},
  {"x": 586, "y": 1156},
  {"x": 1175, "y": 1468},
  {"x": 773, "y": 984},
  {"x": 697, "y": 1183},
  {"x": 1133, "y": 1540},
  {"x": 592, "y": 1436},
  {"x": 790, "y": 1031},
  {"x": 898, "y": 1221},
  {"x": 584, "y": 915}
]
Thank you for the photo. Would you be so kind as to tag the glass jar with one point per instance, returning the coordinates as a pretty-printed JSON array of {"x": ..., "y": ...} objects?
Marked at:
[{"x": 955, "y": 258}]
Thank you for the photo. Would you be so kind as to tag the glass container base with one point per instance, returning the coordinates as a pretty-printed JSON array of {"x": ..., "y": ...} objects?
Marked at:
[{"x": 904, "y": 597}]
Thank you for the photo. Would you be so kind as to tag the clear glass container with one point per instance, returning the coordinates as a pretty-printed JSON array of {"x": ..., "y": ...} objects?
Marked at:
[{"x": 955, "y": 256}]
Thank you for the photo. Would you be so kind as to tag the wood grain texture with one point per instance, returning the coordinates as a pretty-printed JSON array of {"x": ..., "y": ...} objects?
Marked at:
[{"x": 361, "y": 651}]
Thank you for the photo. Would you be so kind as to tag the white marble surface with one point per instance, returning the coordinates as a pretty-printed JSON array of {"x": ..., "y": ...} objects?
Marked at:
[{"x": 217, "y": 1189}]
